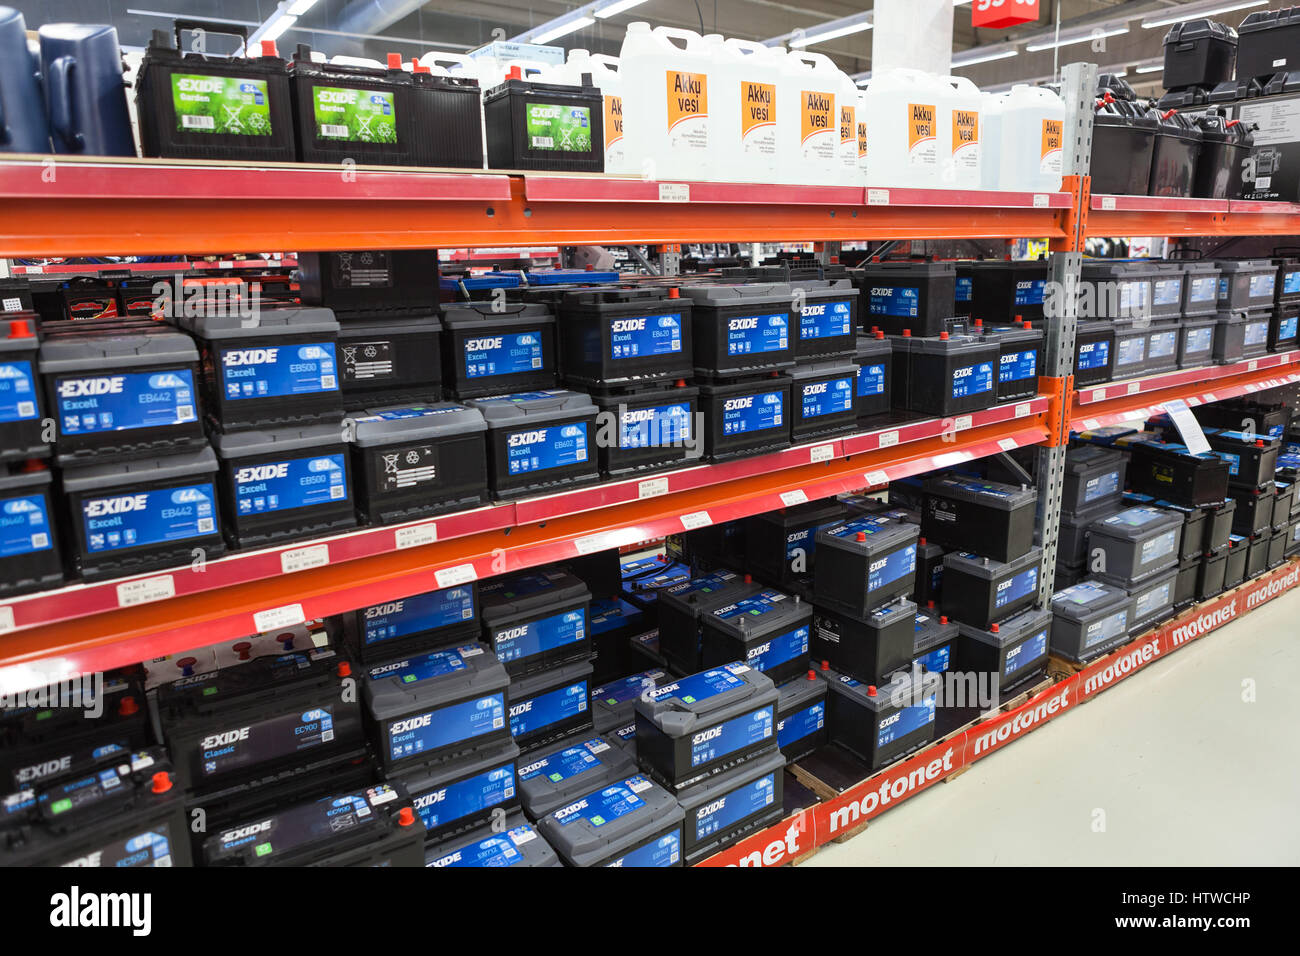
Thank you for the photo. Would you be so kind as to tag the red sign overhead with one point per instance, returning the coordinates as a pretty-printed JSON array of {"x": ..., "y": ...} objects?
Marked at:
[{"x": 999, "y": 14}]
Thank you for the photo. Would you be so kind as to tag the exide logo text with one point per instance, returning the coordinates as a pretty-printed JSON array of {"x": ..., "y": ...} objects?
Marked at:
[
  {"x": 429, "y": 799},
  {"x": 737, "y": 404},
  {"x": 706, "y": 735},
  {"x": 222, "y": 739},
  {"x": 382, "y": 610},
  {"x": 240, "y": 832},
  {"x": 261, "y": 473},
  {"x": 86, "y": 387},
  {"x": 482, "y": 345},
  {"x": 526, "y": 438},
  {"x": 99, "y": 507},
  {"x": 741, "y": 325},
  {"x": 710, "y": 808},
  {"x": 411, "y": 723},
  {"x": 523, "y": 708},
  {"x": 250, "y": 356},
  {"x": 627, "y": 325}
]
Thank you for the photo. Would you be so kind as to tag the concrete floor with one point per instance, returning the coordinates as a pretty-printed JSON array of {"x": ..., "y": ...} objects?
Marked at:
[{"x": 1169, "y": 767}]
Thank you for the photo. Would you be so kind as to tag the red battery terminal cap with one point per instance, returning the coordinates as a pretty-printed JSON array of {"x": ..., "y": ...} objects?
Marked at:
[
  {"x": 878, "y": 333},
  {"x": 345, "y": 669},
  {"x": 749, "y": 579},
  {"x": 674, "y": 293},
  {"x": 993, "y": 628},
  {"x": 243, "y": 649},
  {"x": 826, "y": 665},
  {"x": 862, "y": 536},
  {"x": 943, "y": 618},
  {"x": 20, "y": 329},
  {"x": 516, "y": 73},
  {"x": 943, "y": 336},
  {"x": 681, "y": 383},
  {"x": 394, "y": 61},
  {"x": 812, "y": 674},
  {"x": 1259, "y": 443},
  {"x": 162, "y": 782},
  {"x": 128, "y": 707},
  {"x": 269, "y": 49},
  {"x": 907, "y": 333},
  {"x": 405, "y": 817},
  {"x": 871, "y": 690}
]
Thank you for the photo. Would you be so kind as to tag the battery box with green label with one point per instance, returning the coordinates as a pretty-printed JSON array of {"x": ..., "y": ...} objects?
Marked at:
[
  {"x": 545, "y": 126},
  {"x": 194, "y": 103}
]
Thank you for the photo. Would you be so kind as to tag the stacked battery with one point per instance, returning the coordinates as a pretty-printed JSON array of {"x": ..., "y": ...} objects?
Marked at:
[{"x": 1093, "y": 488}]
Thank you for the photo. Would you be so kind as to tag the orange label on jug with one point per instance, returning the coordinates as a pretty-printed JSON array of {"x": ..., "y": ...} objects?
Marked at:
[
  {"x": 1053, "y": 137},
  {"x": 922, "y": 134},
  {"x": 862, "y": 138},
  {"x": 817, "y": 115},
  {"x": 847, "y": 116},
  {"x": 688, "y": 97},
  {"x": 757, "y": 106},
  {"x": 613, "y": 120},
  {"x": 966, "y": 138}
]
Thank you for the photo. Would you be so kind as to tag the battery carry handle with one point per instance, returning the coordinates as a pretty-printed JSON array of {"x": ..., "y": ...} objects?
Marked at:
[{"x": 207, "y": 26}]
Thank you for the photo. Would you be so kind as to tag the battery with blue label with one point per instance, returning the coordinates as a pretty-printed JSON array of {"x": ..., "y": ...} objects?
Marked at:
[
  {"x": 1012, "y": 652},
  {"x": 1246, "y": 284},
  {"x": 459, "y": 795},
  {"x": 944, "y": 374},
  {"x": 1196, "y": 342},
  {"x": 869, "y": 648},
  {"x": 489, "y": 348},
  {"x": 643, "y": 592},
  {"x": 704, "y": 724},
  {"x": 934, "y": 644},
  {"x": 1094, "y": 353},
  {"x": 1251, "y": 456},
  {"x": 873, "y": 391},
  {"x": 405, "y": 625},
  {"x": 29, "y": 543},
  {"x": 880, "y": 723},
  {"x": 987, "y": 517},
  {"x": 1135, "y": 543},
  {"x": 1005, "y": 291},
  {"x": 1094, "y": 477},
  {"x": 550, "y": 705},
  {"x": 745, "y": 418},
  {"x": 828, "y": 324},
  {"x": 539, "y": 442},
  {"x": 1254, "y": 333},
  {"x": 1090, "y": 618},
  {"x": 681, "y": 606},
  {"x": 863, "y": 563},
  {"x": 727, "y": 807},
  {"x": 561, "y": 772},
  {"x": 742, "y": 330},
  {"x": 436, "y": 705},
  {"x": 22, "y": 407},
  {"x": 1200, "y": 287},
  {"x": 978, "y": 590},
  {"x": 612, "y": 702},
  {"x": 518, "y": 844},
  {"x": 616, "y": 338},
  {"x": 801, "y": 716},
  {"x": 1283, "y": 328},
  {"x": 915, "y": 295},
  {"x": 648, "y": 429},
  {"x": 823, "y": 402},
  {"x": 781, "y": 545},
  {"x": 769, "y": 631},
  {"x": 613, "y": 621},
  {"x": 536, "y": 620},
  {"x": 1020, "y": 361},
  {"x": 630, "y": 822},
  {"x": 1153, "y": 599}
]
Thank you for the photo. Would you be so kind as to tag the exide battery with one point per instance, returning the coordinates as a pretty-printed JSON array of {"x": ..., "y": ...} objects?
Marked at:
[
  {"x": 21, "y": 406},
  {"x": 827, "y": 325},
  {"x": 978, "y": 590},
  {"x": 986, "y": 517},
  {"x": 622, "y": 337},
  {"x": 725, "y": 807},
  {"x": 868, "y": 649},
  {"x": 459, "y": 795},
  {"x": 862, "y": 563},
  {"x": 934, "y": 645},
  {"x": 769, "y": 631},
  {"x": 394, "y": 360},
  {"x": 801, "y": 716},
  {"x": 874, "y": 387},
  {"x": 822, "y": 400},
  {"x": 680, "y": 607},
  {"x": 647, "y": 430},
  {"x": 1135, "y": 543},
  {"x": 555, "y": 775},
  {"x": 1013, "y": 650},
  {"x": 1153, "y": 599},
  {"x": 536, "y": 620},
  {"x": 1088, "y": 619},
  {"x": 746, "y": 418},
  {"x": 29, "y": 544},
  {"x": 410, "y": 624},
  {"x": 539, "y": 441},
  {"x": 880, "y": 724},
  {"x": 742, "y": 330},
  {"x": 489, "y": 351},
  {"x": 633, "y": 822},
  {"x": 519, "y": 845},
  {"x": 553, "y": 704},
  {"x": 781, "y": 545},
  {"x": 611, "y": 703}
]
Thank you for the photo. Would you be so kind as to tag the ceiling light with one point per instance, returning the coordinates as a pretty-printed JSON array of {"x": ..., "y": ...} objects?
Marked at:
[
  {"x": 617, "y": 7},
  {"x": 1164, "y": 21},
  {"x": 299, "y": 7},
  {"x": 1081, "y": 38},
  {"x": 1150, "y": 69},
  {"x": 960, "y": 60},
  {"x": 564, "y": 29},
  {"x": 835, "y": 34}
]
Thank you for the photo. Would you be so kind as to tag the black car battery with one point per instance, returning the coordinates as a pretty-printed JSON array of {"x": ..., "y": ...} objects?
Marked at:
[
  {"x": 741, "y": 330},
  {"x": 987, "y": 517},
  {"x": 1200, "y": 287},
  {"x": 562, "y": 772},
  {"x": 864, "y": 562},
  {"x": 129, "y": 814},
  {"x": 613, "y": 621},
  {"x": 622, "y": 337},
  {"x": 870, "y": 648},
  {"x": 781, "y": 545},
  {"x": 450, "y": 798},
  {"x": 611, "y": 703},
  {"x": 121, "y": 396},
  {"x": 370, "y": 285},
  {"x": 827, "y": 326},
  {"x": 391, "y": 361},
  {"x": 1154, "y": 599},
  {"x": 1199, "y": 53},
  {"x": 551, "y": 704},
  {"x": 944, "y": 375},
  {"x": 465, "y": 287},
  {"x": 1219, "y": 519},
  {"x": 1072, "y": 538},
  {"x": 1094, "y": 477},
  {"x": 416, "y": 461},
  {"x": 1256, "y": 328},
  {"x": 647, "y": 429},
  {"x": 375, "y": 826},
  {"x": 1131, "y": 342},
  {"x": 879, "y": 724},
  {"x": 632, "y": 822},
  {"x": 552, "y": 126},
  {"x": 284, "y": 484},
  {"x": 1088, "y": 619},
  {"x": 929, "y": 573},
  {"x": 1172, "y": 472},
  {"x": 1264, "y": 418},
  {"x": 1094, "y": 353},
  {"x": 89, "y": 299},
  {"x": 769, "y": 631},
  {"x": 539, "y": 442},
  {"x": 410, "y": 624},
  {"x": 1239, "y": 558},
  {"x": 21, "y": 406},
  {"x": 681, "y": 607},
  {"x": 1003, "y": 291},
  {"x": 134, "y": 516},
  {"x": 897, "y": 295},
  {"x": 728, "y": 806},
  {"x": 1132, "y": 545},
  {"x": 1230, "y": 337},
  {"x": 644, "y": 592},
  {"x": 1212, "y": 574},
  {"x": 1246, "y": 284},
  {"x": 1167, "y": 293},
  {"x": 1284, "y": 328},
  {"x": 491, "y": 348},
  {"x": 978, "y": 590},
  {"x": 1185, "y": 582},
  {"x": 1251, "y": 458},
  {"x": 1163, "y": 340},
  {"x": 1196, "y": 342},
  {"x": 934, "y": 644},
  {"x": 962, "y": 291},
  {"x": 536, "y": 620},
  {"x": 1020, "y": 357},
  {"x": 1283, "y": 503},
  {"x": 746, "y": 418},
  {"x": 29, "y": 543},
  {"x": 1192, "y": 540},
  {"x": 1014, "y": 650},
  {"x": 1278, "y": 546},
  {"x": 436, "y": 705},
  {"x": 705, "y": 724},
  {"x": 282, "y": 370},
  {"x": 1254, "y": 514},
  {"x": 801, "y": 716},
  {"x": 1118, "y": 289},
  {"x": 519, "y": 845},
  {"x": 1291, "y": 538},
  {"x": 250, "y": 719},
  {"x": 873, "y": 392},
  {"x": 822, "y": 401}
]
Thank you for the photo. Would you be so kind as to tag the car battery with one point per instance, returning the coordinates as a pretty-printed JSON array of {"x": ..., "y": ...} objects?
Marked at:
[
  {"x": 1167, "y": 289},
  {"x": 1136, "y": 543},
  {"x": 1256, "y": 328},
  {"x": 563, "y": 772},
  {"x": 1278, "y": 546},
  {"x": 613, "y": 622},
  {"x": 681, "y": 607},
  {"x": 612, "y": 703},
  {"x": 466, "y": 288},
  {"x": 261, "y": 716},
  {"x": 1130, "y": 349},
  {"x": 645, "y": 649},
  {"x": 491, "y": 348},
  {"x": 391, "y": 361},
  {"x": 459, "y": 795},
  {"x": 1094, "y": 477},
  {"x": 863, "y": 563},
  {"x": 1172, "y": 472},
  {"x": 549, "y": 705},
  {"x": 1154, "y": 600},
  {"x": 873, "y": 392},
  {"x": 1003, "y": 291},
  {"x": 134, "y": 516},
  {"x": 1219, "y": 519},
  {"x": 704, "y": 724},
  {"x": 618, "y": 338},
  {"x": 962, "y": 291},
  {"x": 1020, "y": 357},
  {"x": 929, "y": 573},
  {"x": 631, "y": 822},
  {"x": 539, "y": 442},
  {"x": 1072, "y": 537},
  {"x": 416, "y": 461},
  {"x": 827, "y": 326},
  {"x": 1252, "y": 460},
  {"x": 638, "y": 567},
  {"x": 410, "y": 624},
  {"x": 371, "y": 827},
  {"x": 1119, "y": 289},
  {"x": 89, "y": 299},
  {"x": 978, "y": 590},
  {"x": 1230, "y": 337},
  {"x": 823, "y": 399},
  {"x": 644, "y": 592},
  {"x": 536, "y": 620},
  {"x": 1200, "y": 287},
  {"x": 741, "y": 330},
  {"x": 769, "y": 631},
  {"x": 1246, "y": 284},
  {"x": 1088, "y": 619},
  {"x": 284, "y": 484},
  {"x": 726, "y": 807},
  {"x": 1291, "y": 538},
  {"x": 1163, "y": 339},
  {"x": 1094, "y": 353},
  {"x": 870, "y": 648},
  {"x": 1254, "y": 514},
  {"x": 1239, "y": 557},
  {"x": 934, "y": 642},
  {"x": 897, "y": 295},
  {"x": 556, "y": 126},
  {"x": 370, "y": 285},
  {"x": 944, "y": 375},
  {"x": 655, "y": 428},
  {"x": 1014, "y": 650},
  {"x": 801, "y": 716},
  {"x": 782, "y": 545},
  {"x": 1185, "y": 582},
  {"x": 519, "y": 845},
  {"x": 1284, "y": 327},
  {"x": 130, "y": 814},
  {"x": 1283, "y": 503},
  {"x": 1192, "y": 541},
  {"x": 121, "y": 396},
  {"x": 29, "y": 544},
  {"x": 987, "y": 517},
  {"x": 1212, "y": 574},
  {"x": 880, "y": 724},
  {"x": 21, "y": 406},
  {"x": 436, "y": 705},
  {"x": 1068, "y": 575},
  {"x": 1196, "y": 343},
  {"x": 746, "y": 418}
]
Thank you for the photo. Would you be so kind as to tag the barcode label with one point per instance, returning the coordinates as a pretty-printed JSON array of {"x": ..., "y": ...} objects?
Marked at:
[
  {"x": 1022, "y": 410},
  {"x": 450, "y": 577},
  {"x": 792, "y": 498},
  {"x": 414, "y": 537},
  {"x": 6, "y": 619},
  {"x": 593, "y": 543},
  {"x": 877, "y": 197},
  {"x": 1107, "y": 202},
  {"x": 1040, "y": 200},
  {"x": 145, "y": 590},
  {"x": 334, "y": 130},
  {"x": 192, "y": 121},
  {"x": 888, "y": 439},
  {"x": 543, "y": 142},
  {"x": 652, "y": 488},
  {"x": 1133, "y": 388},
  {"x": 821, "y": 453},
  {"x": 286, "y": 616},
  {"x": 963, "y": 422},
  {"x": 674, "y": 192},
  {"x": 1006, "y": 444},
  {"x": 696, "y": 519},
  {"x": 874, "y": 478},
  {"x": 300, "y": 559}
]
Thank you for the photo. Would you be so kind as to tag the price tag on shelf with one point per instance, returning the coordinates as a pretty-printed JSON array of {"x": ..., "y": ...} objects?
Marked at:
[
  {"x": 592, "y": 543},
  {"x": 1194, "y": 400},
  {"x": 652, "y": 488},
  {"x": 1210, "y": 397},
  {"x": 1040, "y": 200},
  {"x": 1022, "y": 410},
  {"x": 792, "y": 498},
  {"x": 696, "y": 519},
  {"x": 1252, "y": 365},
  {"x": 820, "y": 453},
  {"x": 874, "y": 478},
  {"x": 450, "y": 577},
  {"x": 674, "y": 192},
  {"x": 877, "y": 197},
  {"x": 1132, "y": 389},
  {"x": 888, "y": 439},
  {"x": 286, "y": 616},
  {"x": 301, "y": 559},
  {"x": 6, "y": 619},
  {"x": 1107, "y": 202},
  {"x": 1098, "y": 394},
  {"x": 226, "y": 264},
  {"x": 416, "y": 535},
  {"x": 131, "y": 593},
  {"x": 951, "y": 458},
  {"x": 962, "y": 422},
  {"x": 1091, "y": 424},
  {"x": 1006, "y": 444}
]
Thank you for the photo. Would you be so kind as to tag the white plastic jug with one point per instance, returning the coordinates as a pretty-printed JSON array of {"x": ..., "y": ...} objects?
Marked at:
[
  {"x": 667, "y": 125},
  {"x": 604, "y": 73},
  {"x": 964, "y": 162},
  {"x": 847, "y": 104},
  {"x": 991, "y": 140},
  {"x": 743, "y": 94},
  {"x": 809, "y": 152},
  {"x": 862, "y": 133},
  {"x": 1033, "y": 138},
  {"x": 907, "y": 130}
]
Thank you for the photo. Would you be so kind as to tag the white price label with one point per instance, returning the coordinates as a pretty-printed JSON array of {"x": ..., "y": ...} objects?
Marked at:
[
  {"x": 962, "y": 422},
  {"x": 792, "y": 498},
  {"x": 1131, "y": 389},
  {"x": 286, "y": 616},
  {"x": 1040, "y": 200},
  {"x": 1098, "y": 394},
  {"x": 1090, "y": 424},
  {"x": 1107, "y": 202},
  {"x": 821, "y": 453},
  {"x": 450, "y": 577},
  {"x": 652, "y": 488},
  {"x": 1006, "y": 444},
  {"x": 1194, "y": 401},
  {"x": 1209, "y": 397},
  {"x": 1022, "y": 410},
  {"x": 874, "y": 478},
  {"x": 951, "y": 458},
  {"x": 300, "y": 559},
  {"x": 6, "y": 619},
  {"x": 226, "y": 264},
  {"x": 888, "y": 439},
  {"x": 1252, "y": 365},
  {"x": 877, "y": 197},
  {"x": 593, "y": 543},
  {"x": 696, "y": 519},
  {"x": 416, "y": 535},
  {"x": 674, "y": 192},
  {"x": 131, "y": 593}
]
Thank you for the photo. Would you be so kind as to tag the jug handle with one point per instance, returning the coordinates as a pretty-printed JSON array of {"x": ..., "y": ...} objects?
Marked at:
[
  {"x": 606, "y": 59},
  {"x": 61, "y": 99},
  {"x": 806, "y": 57},
  {"x": 679, "y": 34},
  {"x": 437, "y": 58}
]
